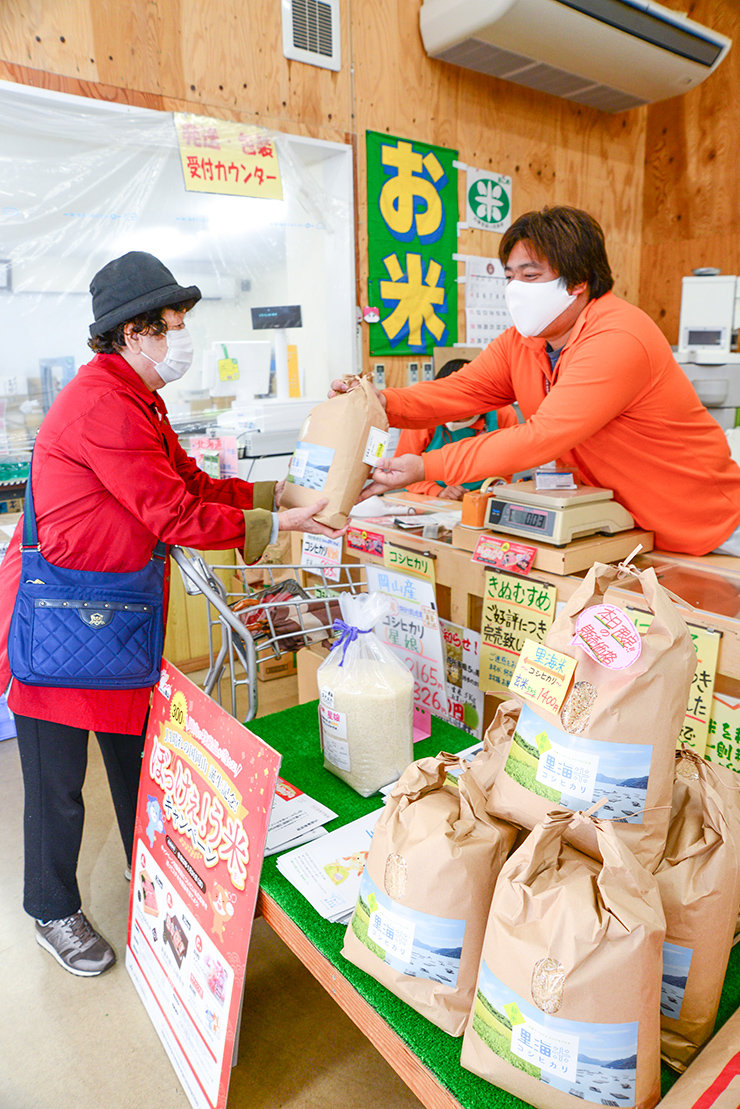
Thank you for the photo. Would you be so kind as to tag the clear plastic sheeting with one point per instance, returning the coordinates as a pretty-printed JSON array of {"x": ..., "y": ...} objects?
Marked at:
[{"x": 83, "y": 181}]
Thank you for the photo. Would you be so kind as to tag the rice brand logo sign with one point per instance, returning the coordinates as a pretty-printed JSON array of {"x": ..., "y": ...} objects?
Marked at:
[{"x": 488, "y": 200}]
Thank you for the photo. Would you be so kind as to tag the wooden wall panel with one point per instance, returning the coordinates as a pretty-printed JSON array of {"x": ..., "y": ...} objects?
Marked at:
[
  {"x": 691, "y": 204},
  {"x": 224, "y": 57},
  {"x": 555, "y": 152}
]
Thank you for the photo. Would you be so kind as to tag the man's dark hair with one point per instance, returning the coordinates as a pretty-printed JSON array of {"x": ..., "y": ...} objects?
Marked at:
[
  {"x": 569, "y": 240},
  {"x": 151, "y": 323},
  {"x": 451, "y": 367}
]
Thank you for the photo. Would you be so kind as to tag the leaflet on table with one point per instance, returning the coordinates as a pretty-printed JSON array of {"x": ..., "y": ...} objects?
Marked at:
[
  {"x": 412, "y": 630},
  {"x": 294, "y": 814},
  {"x": 304, "y": 837},
  {"x": 207, "y": 786},
  {"x": 327, "y": 872}
]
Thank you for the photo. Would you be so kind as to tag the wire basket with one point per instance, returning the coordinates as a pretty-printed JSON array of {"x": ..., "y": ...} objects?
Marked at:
[{"x": 272, "y": 632}]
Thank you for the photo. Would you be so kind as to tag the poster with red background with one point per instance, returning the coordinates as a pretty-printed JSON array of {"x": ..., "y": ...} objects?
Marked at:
[{"x": 207, "y": 786}]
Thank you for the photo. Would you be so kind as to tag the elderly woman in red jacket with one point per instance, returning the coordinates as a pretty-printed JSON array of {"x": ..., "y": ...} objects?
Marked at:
[{"x": 109, "y": 480}]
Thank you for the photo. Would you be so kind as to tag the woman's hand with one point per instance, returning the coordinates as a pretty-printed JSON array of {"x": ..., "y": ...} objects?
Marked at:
[
  {"x": 302, "y": 519},
  {"x": 395, "y": 473},
  {"x": 277, "y": 493}
]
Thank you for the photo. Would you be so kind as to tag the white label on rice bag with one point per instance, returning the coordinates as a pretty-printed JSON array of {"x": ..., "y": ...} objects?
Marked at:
[
  {"x": 377, "y": 441},
  {"x": 298, "y": 462},
  {"x": 336, "y": 751},
  {"x": 391, "y": 932},
  {"x": 327, "y": 697},
  {"x": 554, "y": 1052},
  {"x": 333, "y": 723}
]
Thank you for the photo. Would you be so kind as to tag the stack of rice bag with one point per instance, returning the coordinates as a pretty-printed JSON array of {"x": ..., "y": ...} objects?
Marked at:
[{"x": 551, "y": 901}]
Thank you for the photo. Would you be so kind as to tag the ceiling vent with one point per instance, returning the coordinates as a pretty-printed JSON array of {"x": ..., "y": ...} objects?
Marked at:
[
  {"x": 311, "y": 32},
  {"x": 609, "y": 54}
]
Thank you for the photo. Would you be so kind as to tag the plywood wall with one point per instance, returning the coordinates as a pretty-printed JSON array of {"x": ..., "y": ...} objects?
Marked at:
[
  {"x": 691, "y": 208},
  {"x": 224, "y": 57}
]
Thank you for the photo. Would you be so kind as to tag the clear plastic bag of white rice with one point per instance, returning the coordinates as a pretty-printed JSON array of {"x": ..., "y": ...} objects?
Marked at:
[{"x": 366, "y": 700}]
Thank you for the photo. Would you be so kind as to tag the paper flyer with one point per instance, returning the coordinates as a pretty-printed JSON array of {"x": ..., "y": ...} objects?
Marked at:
[
  {"x": 327, "y": 872},
  {"x": 207, "y": 786}
]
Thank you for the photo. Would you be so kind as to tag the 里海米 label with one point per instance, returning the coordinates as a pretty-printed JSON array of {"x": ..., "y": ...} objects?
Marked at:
[
  {"x": 414, "y": 943},
  {"x": 594, "y": 1062},
  {"x": 310, "y": 464},
  {"x": 573, "y": 771}
]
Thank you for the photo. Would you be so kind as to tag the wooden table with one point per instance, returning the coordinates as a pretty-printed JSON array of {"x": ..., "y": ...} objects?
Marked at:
[{"x": 408, "y": 1066}]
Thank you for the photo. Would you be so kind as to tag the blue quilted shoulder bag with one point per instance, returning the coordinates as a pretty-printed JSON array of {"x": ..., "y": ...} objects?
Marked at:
[{"x": 84, "y": 629}]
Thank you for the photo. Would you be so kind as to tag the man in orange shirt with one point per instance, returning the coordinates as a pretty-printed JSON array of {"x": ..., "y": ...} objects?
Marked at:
[
  {"x": 432, "y": 438},
  {"x": 599, "y": 389}
]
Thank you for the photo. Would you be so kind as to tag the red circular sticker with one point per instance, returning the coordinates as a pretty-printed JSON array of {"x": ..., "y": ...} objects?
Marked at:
[{"x": 607, "y": 634}]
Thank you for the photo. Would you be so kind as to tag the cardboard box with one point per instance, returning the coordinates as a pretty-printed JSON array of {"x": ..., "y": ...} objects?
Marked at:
[
  {"x": 271, "y": 668},
  {"x": 309, "y": 660}
]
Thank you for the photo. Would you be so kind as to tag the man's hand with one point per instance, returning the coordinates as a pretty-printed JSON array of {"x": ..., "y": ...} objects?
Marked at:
[
  {"x": 395, "y": 473},
  {"x": 302, "y": 519},
  {"x": 342, "y": 386},
  {"x": 451, "y": 493}
]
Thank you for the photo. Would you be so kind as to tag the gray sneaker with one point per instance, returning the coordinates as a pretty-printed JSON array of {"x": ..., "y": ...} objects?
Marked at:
[{"x": 76, "y": 945}]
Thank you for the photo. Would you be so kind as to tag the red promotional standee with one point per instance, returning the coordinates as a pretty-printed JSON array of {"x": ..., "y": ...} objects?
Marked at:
[{"x": 207, "y": 785}]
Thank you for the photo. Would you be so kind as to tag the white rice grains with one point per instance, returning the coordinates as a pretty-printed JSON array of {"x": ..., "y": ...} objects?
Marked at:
[{"x": 366, "y": 716}]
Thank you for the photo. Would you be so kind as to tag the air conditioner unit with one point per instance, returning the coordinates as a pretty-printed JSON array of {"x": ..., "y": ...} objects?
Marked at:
[{"x": 609, "y": 54}]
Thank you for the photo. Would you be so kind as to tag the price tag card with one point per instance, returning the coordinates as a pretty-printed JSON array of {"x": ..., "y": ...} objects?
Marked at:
[
  {"x": 504, "y": 555},
  {"x": 406, "y": 561},
  {"x": 542, "y": 675},
  {"x": 321, "y": 550}
]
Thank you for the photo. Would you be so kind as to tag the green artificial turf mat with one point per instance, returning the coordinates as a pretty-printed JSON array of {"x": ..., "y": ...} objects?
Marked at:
[{"x": 295, "y": 734}]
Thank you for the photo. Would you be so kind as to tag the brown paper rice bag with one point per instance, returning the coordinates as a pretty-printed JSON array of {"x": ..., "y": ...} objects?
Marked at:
[
  {"x": 699, "y": 883},
  {"x": 338, "y": 445},
  {"x": 713, "y": 1079},
  {"x": 616, "y": 734},
  {"x": 488, "y": 762},
  {"x": 566, "y": 1008},
  {"x": 427, "y": 885}
]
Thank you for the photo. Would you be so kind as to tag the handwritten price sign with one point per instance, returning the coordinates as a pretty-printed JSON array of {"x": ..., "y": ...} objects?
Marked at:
[{"x": 542, "y": 675}]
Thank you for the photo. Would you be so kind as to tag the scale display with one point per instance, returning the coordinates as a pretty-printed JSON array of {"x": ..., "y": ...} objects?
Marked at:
[{"x": 556, "y": 516}]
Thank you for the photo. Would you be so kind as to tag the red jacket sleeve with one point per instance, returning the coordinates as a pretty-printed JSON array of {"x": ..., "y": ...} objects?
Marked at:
[{"x": 124, "y": 448}]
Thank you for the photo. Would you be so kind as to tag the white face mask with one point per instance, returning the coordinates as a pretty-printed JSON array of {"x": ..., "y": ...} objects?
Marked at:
[
  {"x": 535, "y": 304},
  {"x": 179, "y": 356},
  {"x": 458, "y": 425}
]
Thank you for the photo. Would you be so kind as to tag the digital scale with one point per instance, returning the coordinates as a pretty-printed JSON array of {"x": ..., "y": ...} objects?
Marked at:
[{"x": 556, "y": 516}]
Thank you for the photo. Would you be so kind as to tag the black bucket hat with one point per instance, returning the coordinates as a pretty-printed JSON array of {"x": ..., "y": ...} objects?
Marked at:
[{"x": 131, "y": 285}]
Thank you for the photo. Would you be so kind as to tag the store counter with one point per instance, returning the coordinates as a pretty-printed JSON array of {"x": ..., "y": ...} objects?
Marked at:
[
  {"x": 425, "y": 1058},
  {"x": 710, "y": 584}
]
